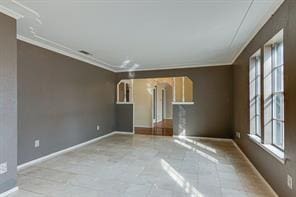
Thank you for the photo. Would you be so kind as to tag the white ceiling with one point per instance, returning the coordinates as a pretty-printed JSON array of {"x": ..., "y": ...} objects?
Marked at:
[{"x": 151, "y": 34}]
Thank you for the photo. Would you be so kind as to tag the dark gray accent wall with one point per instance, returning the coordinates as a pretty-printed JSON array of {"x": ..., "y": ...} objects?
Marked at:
[
  {"x": 8, "y": 101},
  {"x": 61, "y": 101},
  {"x": 124, "y": 122},
  {"x": 272, "y": 170},
  {"x": 211, "y": 114}
]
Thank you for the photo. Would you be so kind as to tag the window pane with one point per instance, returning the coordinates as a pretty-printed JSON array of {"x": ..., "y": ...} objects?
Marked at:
[
  {"x": 253, "y": 125},
  {"x": 279, "y": 54},
  {"x": 258, "y": 65},
  {"x": 258, "y": 86},
  {"x": 278, "y": 133},
  {"x": 252, "y": 72},
  {"x": 278, "y": 76},
  {"x": 253, "y": 109},
  {"x": 252, "y": 90},
  {"x": 258, "y": 105},
  {"x": 278, "y": 106},
  {"x": 254, "y": 85}
]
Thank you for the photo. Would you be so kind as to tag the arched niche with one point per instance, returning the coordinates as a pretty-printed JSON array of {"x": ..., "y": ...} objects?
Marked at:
[{"x": 125, "y": 92}]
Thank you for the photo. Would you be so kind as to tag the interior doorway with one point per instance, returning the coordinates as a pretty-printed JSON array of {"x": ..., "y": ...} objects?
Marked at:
[
  {"x": 152, "y": 101},
  {"x": 161, "y": 124}
]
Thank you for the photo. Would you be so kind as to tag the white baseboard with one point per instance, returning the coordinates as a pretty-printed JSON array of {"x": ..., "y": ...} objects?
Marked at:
[
  {"x": 204, "y": 138},
  {"x": 9, "y": 192},
  {"x": 254, "y": 168},
  {"x": 52, "y": 155}
]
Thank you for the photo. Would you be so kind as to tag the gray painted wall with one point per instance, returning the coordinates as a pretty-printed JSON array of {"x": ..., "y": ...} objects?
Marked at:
[
  {"x": 8, "y": 101},
  {"x": 210, "y": 116},
  {"x": 123, "y": 120},
  {"x": 272, "y": 170},
  {"x": 61, "y": 101}
]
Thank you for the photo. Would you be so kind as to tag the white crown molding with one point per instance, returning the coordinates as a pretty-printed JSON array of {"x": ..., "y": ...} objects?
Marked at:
[
  {"x": 10, "y": 13},
  {"x": 168, "y": 67},
  {"x": 60, "y": 51},
  {"x": 72, "y": 55},
  {"x": 267, "y": 16}
]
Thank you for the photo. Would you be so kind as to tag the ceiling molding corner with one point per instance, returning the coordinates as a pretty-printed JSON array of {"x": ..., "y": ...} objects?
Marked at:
[
  {"x": 10, "y": 13},
  {"x": 62, "y": 52},
  {"x": 264, "y": 20}
]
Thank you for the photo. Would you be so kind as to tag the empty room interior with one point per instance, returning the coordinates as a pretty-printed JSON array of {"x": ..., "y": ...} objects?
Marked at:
[{"x": 147, "y": 98}]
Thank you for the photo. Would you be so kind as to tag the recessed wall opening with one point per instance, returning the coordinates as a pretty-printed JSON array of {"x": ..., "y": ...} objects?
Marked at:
[{"x": 153, "y": 100}]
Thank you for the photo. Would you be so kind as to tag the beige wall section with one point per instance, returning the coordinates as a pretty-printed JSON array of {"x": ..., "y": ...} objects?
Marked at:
[
  {"x": 188, "y": 90},
  {"x": 143, "y": 102},
  {"x": 179, "y": 89},
  {"x": 183, "y": 87}
]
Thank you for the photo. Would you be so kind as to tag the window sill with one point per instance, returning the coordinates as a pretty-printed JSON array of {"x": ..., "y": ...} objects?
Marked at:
[
  {"x": 276, "y": 153},
  {"x": 122, "y": 103},
  {"x": 182, "y": 103}
]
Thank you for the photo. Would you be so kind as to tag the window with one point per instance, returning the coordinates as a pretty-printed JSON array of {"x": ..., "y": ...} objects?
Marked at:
[
  {"x": 274, "y": 93},
  {"x": 255, "y": 94},
  {"x": 266, "y": 102}
]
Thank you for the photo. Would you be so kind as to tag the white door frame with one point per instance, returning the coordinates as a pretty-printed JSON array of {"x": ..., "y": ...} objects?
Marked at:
[{"x": 154, "y": 108}]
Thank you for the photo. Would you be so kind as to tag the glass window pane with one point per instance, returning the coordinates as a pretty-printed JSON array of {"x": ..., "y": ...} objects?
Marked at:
[
  {"x": 253, "y": 125},
  {"x": 258, "y": 105},
  {"x": 252, "y": 90},
  {"x": 280, "y": 54},
  {"x": 252, "y": 72},
  {"x": 278, "y": 77},
  {"x": 268, "y": 128},
  {"x": 255, "y": 91},
  {"x": 258, "y": 65},
  {"x": 278, "y": 133},
  {"x": 278, "y": 106},
  {"x": 253, "y": 109},
  {"x": 258, "y": 86}
]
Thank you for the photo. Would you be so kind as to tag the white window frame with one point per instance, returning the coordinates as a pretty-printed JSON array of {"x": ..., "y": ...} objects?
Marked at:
[
  {"x": 280, "y": 93},
  {"x": 255, "y": 100},
  {"x": 269, "y": 92}
]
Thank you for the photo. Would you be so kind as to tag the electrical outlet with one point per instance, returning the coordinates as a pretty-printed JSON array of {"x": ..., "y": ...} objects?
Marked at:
[
  {"x": 3, "y": 168},
  {"x": 237, "y": 134},
  {"x": 37, "y": 143},
  {"x": 98, "y": 127},
  {"x": 290, "y": 182}
]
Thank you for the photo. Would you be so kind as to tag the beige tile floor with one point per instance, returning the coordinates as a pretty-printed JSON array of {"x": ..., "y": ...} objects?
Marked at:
[{"x": 138, "y": 165}]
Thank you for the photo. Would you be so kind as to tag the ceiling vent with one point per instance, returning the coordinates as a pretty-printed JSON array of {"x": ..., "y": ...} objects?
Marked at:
[{"x": 84, "y": 52}]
